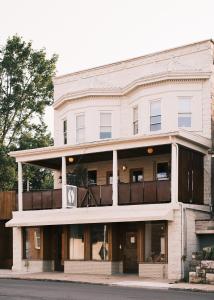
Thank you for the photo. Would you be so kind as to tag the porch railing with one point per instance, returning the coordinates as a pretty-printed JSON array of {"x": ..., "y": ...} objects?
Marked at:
[
  {"x": 144, "y": 192},
  {"x": 36, "y": 200},
  {"x": 147, "y": 192}
]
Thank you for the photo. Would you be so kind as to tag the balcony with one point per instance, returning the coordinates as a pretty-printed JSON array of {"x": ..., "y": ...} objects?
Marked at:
[{"x": 148, "y": 192}]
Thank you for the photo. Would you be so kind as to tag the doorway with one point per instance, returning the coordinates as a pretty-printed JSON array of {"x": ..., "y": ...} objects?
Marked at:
[
  {"x": 130, "y": 263},
  {"x": 58, "y": 264}
]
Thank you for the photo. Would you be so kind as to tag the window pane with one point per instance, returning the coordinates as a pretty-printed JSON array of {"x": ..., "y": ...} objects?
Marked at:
[
  {"x": 155, "y": 127},
  {"x": 80, "y": 121},
  {"x": 76, "y": 242},
  {"x": 184, "y": 120},
  {"x": 162, "y": 171},
  {"x": 105, "y": 132},
  {"x": 105, "y": 119},
  {"x": 80, "y": 135},
  {"x": 135, "y": 113},
  {"x": 155, "y": 120},
  {"x": 65, "y": 131},
  {"x": 99, "y": 242},
  {"x": 184, "y": 106},
  {"x": 155, "y": 243},
  {"x": 135, "y": 127},
  {"x": 105, "y": 135},
  {"x": 155, "y": 108},
  {"x": 65, "y": 125}
]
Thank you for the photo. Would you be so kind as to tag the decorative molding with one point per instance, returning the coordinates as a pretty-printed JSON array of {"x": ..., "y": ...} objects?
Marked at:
[{"x": 107, "y": 90}]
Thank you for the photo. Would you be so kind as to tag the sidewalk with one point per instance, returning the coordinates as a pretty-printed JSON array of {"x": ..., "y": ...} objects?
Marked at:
[{"x": 114, "y": 280}]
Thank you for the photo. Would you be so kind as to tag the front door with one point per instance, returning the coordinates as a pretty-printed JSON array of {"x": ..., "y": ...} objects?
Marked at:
[
  {"x": 130, "y": 264},
  {"x": 58, "y": 266}
]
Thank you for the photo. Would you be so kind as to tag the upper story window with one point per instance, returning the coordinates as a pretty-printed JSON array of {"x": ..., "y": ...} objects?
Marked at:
[
  {"x": 105, "y": 125},
  {"x": 65, "y": 131},
  {"x": 162, "y": 171},
  {"x": 80, "y": 128},
  {"x": 184, "y": 113},
  {"x": 155, "y": 115},
  {"x": 135, "y": 120}
]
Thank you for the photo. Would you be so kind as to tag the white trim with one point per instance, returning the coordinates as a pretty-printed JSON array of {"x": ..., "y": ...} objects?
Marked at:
[
  {"x": 86, "y": 215},
  {"x": 146, "y": 80},
  {"x": 182, "y": 137}
]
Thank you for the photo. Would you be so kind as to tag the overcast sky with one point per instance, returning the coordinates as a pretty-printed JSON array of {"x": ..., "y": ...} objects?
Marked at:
[{"x": 89, "y": 33}]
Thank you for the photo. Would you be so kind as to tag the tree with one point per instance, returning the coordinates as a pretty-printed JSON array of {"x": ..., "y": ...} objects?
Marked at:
[
  {"x": 38, "y": 178},
  {"x": 7, "y": 170},
  {"x": 26, "y": 88}
]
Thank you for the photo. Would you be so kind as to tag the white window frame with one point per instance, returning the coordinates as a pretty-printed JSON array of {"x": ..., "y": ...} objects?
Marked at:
[
  {"x": 105, "y": 125},
  {"x": 153, "y": 116},
  {"x": 135, "y": 120},
  {"x": 187, "y": 113},
  {"x": 78, "y": 129}
]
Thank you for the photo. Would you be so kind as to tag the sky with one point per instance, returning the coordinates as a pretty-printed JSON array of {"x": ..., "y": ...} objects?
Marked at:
[{"x": 89, "y": 33}]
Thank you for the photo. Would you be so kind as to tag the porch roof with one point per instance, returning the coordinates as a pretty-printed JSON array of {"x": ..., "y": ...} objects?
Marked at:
[
  {"x": 54, "y": 153},
  {"x": 109, "y": 214}
]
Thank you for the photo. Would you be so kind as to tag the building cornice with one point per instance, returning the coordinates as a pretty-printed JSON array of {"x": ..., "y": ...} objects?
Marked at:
[
  {"x": 118, "y": 65},
  {"x": 144, "y": 81}
]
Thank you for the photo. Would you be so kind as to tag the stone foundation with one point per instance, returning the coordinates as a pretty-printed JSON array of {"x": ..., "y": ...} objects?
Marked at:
[
  {"x": 93, "y": 267},
  {"x": 153, "y": 270}
]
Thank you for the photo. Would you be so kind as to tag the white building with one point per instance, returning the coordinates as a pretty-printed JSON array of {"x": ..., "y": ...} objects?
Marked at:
[{"x": 133, "y": 136}]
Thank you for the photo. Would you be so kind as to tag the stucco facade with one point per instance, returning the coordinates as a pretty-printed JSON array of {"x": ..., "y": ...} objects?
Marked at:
[{"x": 145, "y": 167}]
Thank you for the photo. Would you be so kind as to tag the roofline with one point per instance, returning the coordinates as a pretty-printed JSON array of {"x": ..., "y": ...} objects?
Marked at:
[{"x": 131, "y": 59}]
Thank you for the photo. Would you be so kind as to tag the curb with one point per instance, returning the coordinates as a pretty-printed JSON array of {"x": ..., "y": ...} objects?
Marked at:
[{"x": 196, "y": 290}]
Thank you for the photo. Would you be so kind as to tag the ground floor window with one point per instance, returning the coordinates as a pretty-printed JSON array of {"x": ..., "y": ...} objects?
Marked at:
[
  {"x": 31, "y": 243},
  {"x": 77, "y": 242},
  {"x": 155, "y": 242},
  {"x": 99, "y": 242}
]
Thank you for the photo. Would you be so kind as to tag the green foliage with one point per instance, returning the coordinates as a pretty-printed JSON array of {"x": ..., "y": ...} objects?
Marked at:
[
  {"x": 26, "y": 88},
  {"x": 7, "y": 170}
]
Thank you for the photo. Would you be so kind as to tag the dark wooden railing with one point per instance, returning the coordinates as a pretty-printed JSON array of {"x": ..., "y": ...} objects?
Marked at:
[
  {"x": 101, "y": 195},
  {"x": 97, "y": 195},
  {"x": 35, "y": 200},
  {"x": 144, "y": 192},
  {"x": 7, "y": 204}
]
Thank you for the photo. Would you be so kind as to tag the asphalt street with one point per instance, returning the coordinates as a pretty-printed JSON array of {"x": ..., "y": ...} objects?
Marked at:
[{"x": 11, "y": 289}]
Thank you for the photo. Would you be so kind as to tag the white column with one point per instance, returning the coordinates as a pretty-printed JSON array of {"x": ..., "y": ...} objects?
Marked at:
[
  {"x": 115, "y": 178},
  {"x": 20, "y": 187},
  {"x": 174, "y": 173},
  {"x": 17, "y": 249},
  {"x": 63, "y": 182}
]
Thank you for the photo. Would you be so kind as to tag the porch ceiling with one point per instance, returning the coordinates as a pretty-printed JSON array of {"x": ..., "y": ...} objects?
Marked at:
[
  {"x": 102, "y": 150},
  {"x": 55, "y": 163}
]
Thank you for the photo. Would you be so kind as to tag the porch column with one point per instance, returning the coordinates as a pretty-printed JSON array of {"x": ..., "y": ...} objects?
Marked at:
[
  {"x": 17, "y": 249},
  {"x": 115, "y": 178},
  {"x": 174, "y": 173},
  {"x": 20, "y": 187},
  {"x": 64, "y": 182}
]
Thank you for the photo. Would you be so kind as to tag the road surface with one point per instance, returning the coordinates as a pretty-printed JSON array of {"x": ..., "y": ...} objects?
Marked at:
[{"x": 11, "y": 289}]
